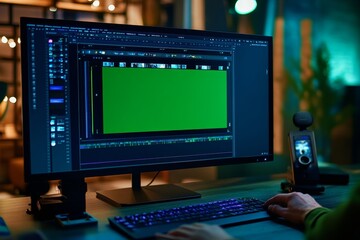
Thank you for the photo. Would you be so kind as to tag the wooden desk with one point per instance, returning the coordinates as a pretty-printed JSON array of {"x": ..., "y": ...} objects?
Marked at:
[{"x": 13, "y": 211}]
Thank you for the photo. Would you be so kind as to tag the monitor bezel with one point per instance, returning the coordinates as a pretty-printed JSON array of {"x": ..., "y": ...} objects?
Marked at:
[{"x": 128, "y": 169}]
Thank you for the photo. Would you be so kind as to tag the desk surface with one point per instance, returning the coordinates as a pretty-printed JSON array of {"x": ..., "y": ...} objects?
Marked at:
[{"x": 14, "y": 211}]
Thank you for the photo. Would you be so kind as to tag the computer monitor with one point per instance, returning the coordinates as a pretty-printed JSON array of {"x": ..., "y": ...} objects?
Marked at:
[{"x": 104, "y": 99}]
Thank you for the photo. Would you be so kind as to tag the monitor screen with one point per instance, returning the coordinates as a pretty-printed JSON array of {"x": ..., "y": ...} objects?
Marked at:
[{"x": 102, "y": 99}]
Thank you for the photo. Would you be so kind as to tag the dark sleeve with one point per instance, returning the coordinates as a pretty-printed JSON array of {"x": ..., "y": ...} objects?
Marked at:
[{"x": 341, "y": 223}]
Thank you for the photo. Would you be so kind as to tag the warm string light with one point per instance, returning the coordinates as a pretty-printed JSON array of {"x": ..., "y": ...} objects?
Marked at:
[
  {"x": 95, "y": 4},
  {"x": 108, "y": 4},
  {"x": 10, "y": 41},
  {"x": 10, "y": 99},
  {"x": 111, "y": 7},
  {"x": 4, "y": 39},
  {"x": 52, "y": 9}
]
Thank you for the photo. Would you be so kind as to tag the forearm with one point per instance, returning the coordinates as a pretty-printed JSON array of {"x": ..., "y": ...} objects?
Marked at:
[
  {"x": 340, "y": 223},
  {"x": 314, "y": 226}
]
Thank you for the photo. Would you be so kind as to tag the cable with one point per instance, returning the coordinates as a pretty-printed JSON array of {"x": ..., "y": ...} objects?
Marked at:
[{"x": 153, "y": 179}]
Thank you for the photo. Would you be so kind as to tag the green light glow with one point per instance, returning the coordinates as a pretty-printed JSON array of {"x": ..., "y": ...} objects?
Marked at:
[{"x": 245, "y": 6}]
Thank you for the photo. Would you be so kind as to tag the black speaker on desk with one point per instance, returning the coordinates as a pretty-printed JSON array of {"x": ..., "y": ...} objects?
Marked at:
[
  {"x": 305, "y": 175},
  {"x": 333, "y": 175},
  {"x": 352, "y": 97}
]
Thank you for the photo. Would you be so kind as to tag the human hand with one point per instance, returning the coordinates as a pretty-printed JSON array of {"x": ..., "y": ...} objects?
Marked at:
[
  {"x": 293, "y": 207},
  {"x": 196, "y": 231}
]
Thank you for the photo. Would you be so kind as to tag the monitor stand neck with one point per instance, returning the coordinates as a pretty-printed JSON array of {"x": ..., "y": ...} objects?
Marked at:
[
  {"x": 138, "y": 194},
  {"x": 136, "y": 181}
]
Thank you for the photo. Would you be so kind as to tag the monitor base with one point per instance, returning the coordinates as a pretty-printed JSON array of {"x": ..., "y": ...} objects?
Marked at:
[{"x": 143, "y": 195}]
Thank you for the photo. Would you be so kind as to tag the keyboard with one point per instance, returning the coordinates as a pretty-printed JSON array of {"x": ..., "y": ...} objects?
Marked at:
[{"x": 225, "y": 213}]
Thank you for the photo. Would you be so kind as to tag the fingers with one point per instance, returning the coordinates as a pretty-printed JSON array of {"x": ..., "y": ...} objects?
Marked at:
[
  {"x": 183, "y": 232},
  {"x": 161, "y": 236},
  {"x": 277, "y": 210},
  {"x": 278, "y": 204},
  {"x": 280, "y": 199},
  {"x": 283, "y": 198},
  {"x": 195, "y": 231}
]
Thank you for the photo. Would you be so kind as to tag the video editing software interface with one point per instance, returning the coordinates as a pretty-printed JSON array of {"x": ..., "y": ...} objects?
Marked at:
[{"x": 104, "y": 96}]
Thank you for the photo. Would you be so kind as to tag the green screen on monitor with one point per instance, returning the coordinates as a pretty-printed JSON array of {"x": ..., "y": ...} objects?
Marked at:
[{"x": 151, "y": 100}]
